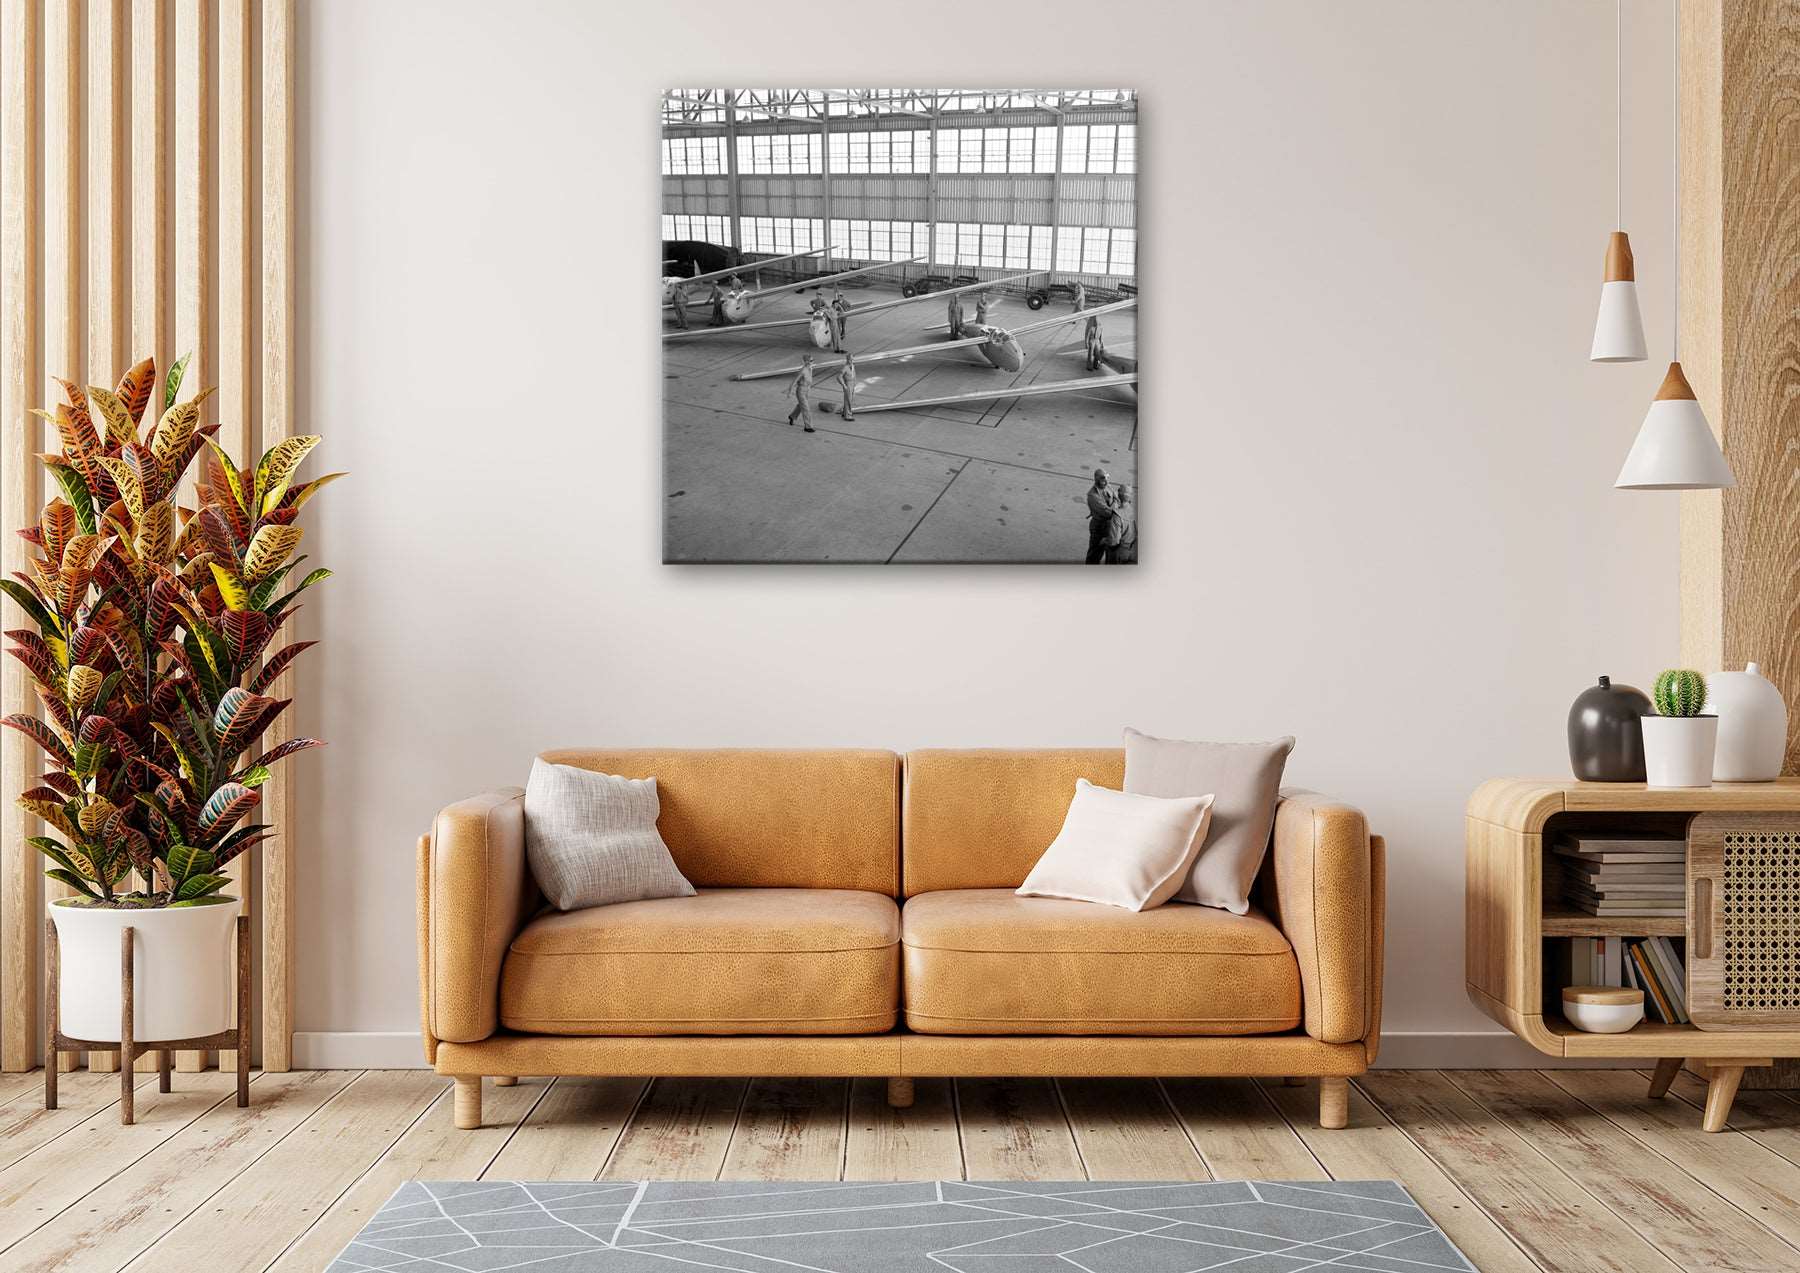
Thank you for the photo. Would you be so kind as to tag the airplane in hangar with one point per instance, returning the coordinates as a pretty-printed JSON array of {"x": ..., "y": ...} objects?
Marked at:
[
  {"x": 818, "y": 329},
  {"x": 996, "y": 344},
  {"x": 739, "y": 304},
  {"x": 673, "y": 281}
]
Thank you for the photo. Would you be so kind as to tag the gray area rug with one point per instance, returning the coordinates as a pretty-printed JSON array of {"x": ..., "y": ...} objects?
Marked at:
[{"x": 964, "y": 1227}]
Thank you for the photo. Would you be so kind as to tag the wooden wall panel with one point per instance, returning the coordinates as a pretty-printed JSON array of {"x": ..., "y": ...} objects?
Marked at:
[
  {"x": 19, "y": 337},
  {"x": 1740, "y": 324},
  {"x": 183, "y": 176},
  {"x": 278, "y": 423}
]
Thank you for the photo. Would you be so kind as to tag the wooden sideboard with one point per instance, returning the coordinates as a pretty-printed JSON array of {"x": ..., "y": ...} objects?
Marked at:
[{"x": 1511, "y": 913}]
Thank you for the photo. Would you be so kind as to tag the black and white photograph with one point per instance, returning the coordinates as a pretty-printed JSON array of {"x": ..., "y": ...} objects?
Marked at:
[{"x": 900, "y": 325}]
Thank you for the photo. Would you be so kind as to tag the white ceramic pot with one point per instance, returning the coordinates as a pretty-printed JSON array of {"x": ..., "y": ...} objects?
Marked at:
[
  {"x": 184, "y": 970},
  {"x": 1678, "y": 750},
  {"x": 1752, "y": 726},
  {"x": 1603, "y": 1009}
]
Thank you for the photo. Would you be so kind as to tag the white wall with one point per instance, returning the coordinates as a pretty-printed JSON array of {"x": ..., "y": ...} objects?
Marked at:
[{"x": 1376, "y": 465}]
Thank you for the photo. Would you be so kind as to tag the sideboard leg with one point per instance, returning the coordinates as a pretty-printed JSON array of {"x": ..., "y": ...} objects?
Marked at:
[
  {"x": 1334, "y": 1102},
  {"x": 468, "y": 1102},
  {"x": 1721, "y": 1091},
  {"x": 1666, "y": 1070},
  {"x": 900, "y": 1093}
]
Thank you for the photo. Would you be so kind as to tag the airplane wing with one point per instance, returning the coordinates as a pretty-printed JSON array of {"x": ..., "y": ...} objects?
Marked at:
[
  {"x": 830, "y": 278},
  {"x": 987, "y": 395},
  {"x": 936, "y": 346},
  {"x": 1077, "y": 316},
  {"x": 854, "y": 312}
]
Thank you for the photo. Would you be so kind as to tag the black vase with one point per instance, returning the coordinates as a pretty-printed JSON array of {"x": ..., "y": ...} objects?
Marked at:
[{"x": 1606, "y": 738}]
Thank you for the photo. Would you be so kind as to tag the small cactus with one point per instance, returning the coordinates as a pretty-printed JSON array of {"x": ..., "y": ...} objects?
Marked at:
[{"x": 1679, "y": 691}]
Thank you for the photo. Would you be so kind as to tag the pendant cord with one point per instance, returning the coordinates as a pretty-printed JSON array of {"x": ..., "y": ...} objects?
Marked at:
[
  {"x": 1675, "y": 192},
  {"x": 1619, "y": 112}
]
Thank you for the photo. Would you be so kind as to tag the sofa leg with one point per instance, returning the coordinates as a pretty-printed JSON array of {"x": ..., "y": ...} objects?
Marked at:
[
  {"x": 900, "y": 1093},
  {"x": 468, "y": 1102},
  {"x": 506, "y": 1080},
  {"x": 1334, "y": 1102}
]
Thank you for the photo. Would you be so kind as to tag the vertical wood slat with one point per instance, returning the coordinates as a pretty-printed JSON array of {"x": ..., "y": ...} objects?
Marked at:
[
  {"x": 193, "y": 235},
  {"x": 149, "y": 187},
  {"x": 237, "y": 318},
  {"x": 62, "y": 330},
  {"x": 278, "y": 423},
  {"x": 18, "y": 504},
  {"x": 109, "y": 227}
]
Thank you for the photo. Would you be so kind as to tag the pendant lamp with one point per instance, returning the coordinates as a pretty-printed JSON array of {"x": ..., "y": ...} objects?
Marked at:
[
  {"x": 1619, "y": 330},
  {"x": 1675, "y": 448}
]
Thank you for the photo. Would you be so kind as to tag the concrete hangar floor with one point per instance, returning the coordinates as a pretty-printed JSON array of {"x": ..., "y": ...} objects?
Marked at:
[{"x": 999, "y": 481}]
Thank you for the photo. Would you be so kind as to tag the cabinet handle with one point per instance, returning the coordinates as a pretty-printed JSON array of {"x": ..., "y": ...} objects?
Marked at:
[{"x": 1700, "y": 918}]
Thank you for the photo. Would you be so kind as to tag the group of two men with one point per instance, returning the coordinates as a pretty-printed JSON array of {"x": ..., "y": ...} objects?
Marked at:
[{"x": 803, "y": 385}]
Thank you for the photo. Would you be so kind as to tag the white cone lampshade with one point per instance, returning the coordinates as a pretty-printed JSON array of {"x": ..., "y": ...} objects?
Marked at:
[
  {"x": 1619, "y": 330},
  {"x": 1675, "y": 449}
]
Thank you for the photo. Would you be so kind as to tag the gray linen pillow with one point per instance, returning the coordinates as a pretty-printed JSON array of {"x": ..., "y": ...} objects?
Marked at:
[
  {"x": 591, "y": 838},
  {"x": 1244, "y": 780}
]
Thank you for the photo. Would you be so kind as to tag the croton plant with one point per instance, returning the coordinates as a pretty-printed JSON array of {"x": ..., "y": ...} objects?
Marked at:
[{"x": 155, "y": 643}]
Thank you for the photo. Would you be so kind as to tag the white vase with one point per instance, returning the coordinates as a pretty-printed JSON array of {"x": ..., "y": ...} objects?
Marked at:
[
  {"x": 1752, "y": 726},
  {"x": 1678, "y": 750},
  {"x": 184, "y": 970}
]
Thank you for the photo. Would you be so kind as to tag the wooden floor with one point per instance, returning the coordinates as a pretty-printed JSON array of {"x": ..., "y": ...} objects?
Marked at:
[{"x": 1569, "y": 1169}]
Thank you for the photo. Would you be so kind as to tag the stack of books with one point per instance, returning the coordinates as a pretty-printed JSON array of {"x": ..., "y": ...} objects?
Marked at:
[
  {"x": 1622, "y": 875},
  {"x": 1653, "y": 965}
]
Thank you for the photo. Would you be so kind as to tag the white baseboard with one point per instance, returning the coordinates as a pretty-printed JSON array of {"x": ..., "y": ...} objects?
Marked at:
[
  {"x": 359, "y": 1050},
  {"x": 1402, "y": 1050}
]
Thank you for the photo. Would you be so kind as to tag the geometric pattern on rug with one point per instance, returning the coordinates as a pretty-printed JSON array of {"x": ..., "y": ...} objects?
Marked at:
[{"x": 848, "y": 1227}]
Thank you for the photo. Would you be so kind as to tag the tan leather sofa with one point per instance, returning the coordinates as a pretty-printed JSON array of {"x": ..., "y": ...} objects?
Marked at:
[{"x": 855, "y": 916}]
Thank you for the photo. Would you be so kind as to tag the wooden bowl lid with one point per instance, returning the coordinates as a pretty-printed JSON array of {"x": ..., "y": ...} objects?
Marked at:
[{"x": 1602, "y": 994}]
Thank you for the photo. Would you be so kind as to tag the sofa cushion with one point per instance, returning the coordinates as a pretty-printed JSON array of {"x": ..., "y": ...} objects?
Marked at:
[
  {"x": 984, "y": 961},
  {"x": 725, "y": 961}
]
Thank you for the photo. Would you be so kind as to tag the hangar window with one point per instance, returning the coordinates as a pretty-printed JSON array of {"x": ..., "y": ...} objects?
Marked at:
[
  {"x": 693, "y": 156},
  {"x": 778, "y": 154}
]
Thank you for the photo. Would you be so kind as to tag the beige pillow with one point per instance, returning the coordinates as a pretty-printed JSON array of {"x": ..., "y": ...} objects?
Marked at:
[
  {"x": 1245, "y": 782},
  {"x": 1119, "y": 849}
]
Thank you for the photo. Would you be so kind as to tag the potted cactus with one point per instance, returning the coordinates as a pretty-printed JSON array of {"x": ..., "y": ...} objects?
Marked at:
[
  {"x": 1679, "y": 739},
  {"x": 152, "y": 646}
]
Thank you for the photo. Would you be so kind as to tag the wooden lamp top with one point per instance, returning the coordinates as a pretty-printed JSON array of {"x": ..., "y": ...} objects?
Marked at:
[
  {"x": 1675, "y": 386},
  {"x": 1619, "y": 265}
]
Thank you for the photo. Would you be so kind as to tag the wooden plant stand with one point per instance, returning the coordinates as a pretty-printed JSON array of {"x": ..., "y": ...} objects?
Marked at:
[
  {"x": 1514, "y": 898},
  {"x": 128, "y": 1048}
]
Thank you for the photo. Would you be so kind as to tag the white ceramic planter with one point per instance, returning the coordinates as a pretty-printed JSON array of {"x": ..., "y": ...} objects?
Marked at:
[
  {"x": 1752, "y": 726},
  {"x": 184, "y": 970},
  {"x": 1678, "y": 750}
]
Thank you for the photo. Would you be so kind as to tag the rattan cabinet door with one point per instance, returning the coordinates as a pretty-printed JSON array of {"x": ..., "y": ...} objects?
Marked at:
[{"x": 1743, "y": 921}]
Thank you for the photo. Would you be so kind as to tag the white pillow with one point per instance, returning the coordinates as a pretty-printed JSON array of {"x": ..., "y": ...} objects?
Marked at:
[
  {"x": 591, "y": 838},
  {"x": 1121, "y": 850}
]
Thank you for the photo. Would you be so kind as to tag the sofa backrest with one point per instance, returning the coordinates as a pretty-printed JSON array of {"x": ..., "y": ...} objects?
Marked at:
[
  {"x": 755, "y": 818},
  {"x": 982, "y": 818}
]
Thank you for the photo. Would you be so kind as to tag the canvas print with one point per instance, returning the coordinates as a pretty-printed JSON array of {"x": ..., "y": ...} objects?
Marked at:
[{"x": 900, "y": 325}]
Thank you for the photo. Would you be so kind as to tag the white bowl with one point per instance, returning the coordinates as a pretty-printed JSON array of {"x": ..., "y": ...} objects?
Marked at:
[{"x": 1604, "y": 1018}]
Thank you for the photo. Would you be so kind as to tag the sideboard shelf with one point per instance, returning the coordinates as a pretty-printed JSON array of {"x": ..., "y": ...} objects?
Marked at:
[{"x": 1509, "y": 823}]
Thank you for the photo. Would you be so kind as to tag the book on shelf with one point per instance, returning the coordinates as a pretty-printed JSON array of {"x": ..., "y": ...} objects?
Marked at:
[
  {"x": 1592, "y": 961},
  {"x": 1623, "y": 875},
  {"x": 1621, "y": 848},
  {"x": 1660, "y": 973}
]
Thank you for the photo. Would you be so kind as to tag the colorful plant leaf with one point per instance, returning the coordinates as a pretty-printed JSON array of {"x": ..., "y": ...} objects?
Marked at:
[
  {"x": 75, "y": 486},
  {"x": 283, "y": 750},
  {"x": 116, "y": 412},
  {"x": 277, "y": 467},
  {"x": 172, "y": 381},
  {"x": 41, "y": 734},
  {"x": 296, "y": 496},
  {"x": 231, "y": 587},
  {"x": 29, "y": 603},
  {"x": 135, "y": 386},
  {"x": 226, "y": 807},
  {"x": 84, "y": 686},
  {"x": 245, "y": 633},
  {"x": 278, "y": 661},
  {"x": 269, "y": 547}
]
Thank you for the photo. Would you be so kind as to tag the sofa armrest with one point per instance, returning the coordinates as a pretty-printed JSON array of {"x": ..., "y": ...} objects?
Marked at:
[
  {"x": 1324, "y": 896},
  {"x": 475, "y": 893}
]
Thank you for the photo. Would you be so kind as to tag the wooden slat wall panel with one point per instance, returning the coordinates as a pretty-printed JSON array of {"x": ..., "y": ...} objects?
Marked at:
[
  {"x": 236, "y": 308},
  {"x": 160, "y": 262},
  {"x": 278, "y": 423},
  {"x": 62, "y": 233},
  {"x": 19, "y": 176}
]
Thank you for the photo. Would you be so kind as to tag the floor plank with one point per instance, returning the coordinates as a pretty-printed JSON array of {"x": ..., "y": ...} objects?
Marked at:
[
  {"x": 1239, "y": 1135},
  {"x": 17, "y": 1085},
  {"x": 287, "y": 1189},
  {"x": 1125, "y": 1130},
  {"x": 1015, "y": 1129},
  {"x": 40, "y": 1186},
  {"x": 1372, "y": 1148},
  {"x": 26, "y": 1126},
  {"x": 1757, "y": 1179},
  {"x": 1684, "y": 1219},
  {"x": 790, "y": 1129},
  {"x": 916, "y": 1143},
  {"x": 433, "y": 1148},
  {"x": 1562, "y": 1225},
  {"x": 570, "y": 1133},
  {"x": 121, "y": 1218},
  {"x": 680, "y": 1132}
]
